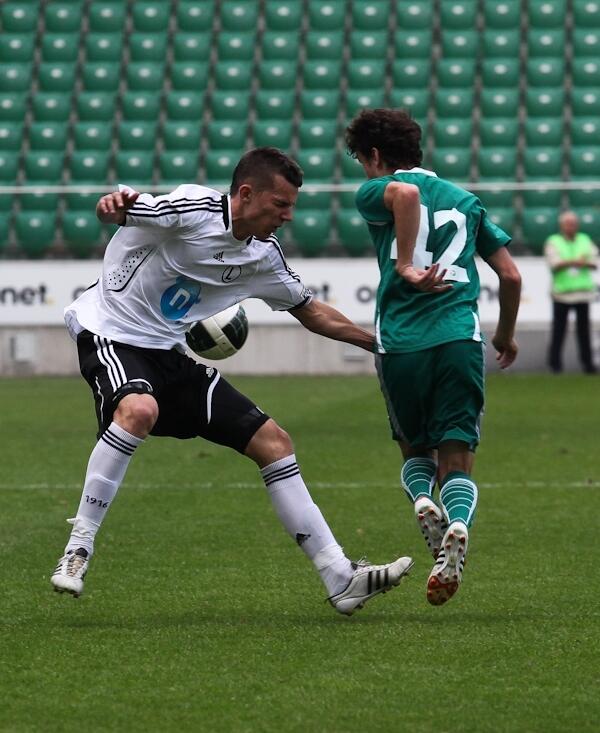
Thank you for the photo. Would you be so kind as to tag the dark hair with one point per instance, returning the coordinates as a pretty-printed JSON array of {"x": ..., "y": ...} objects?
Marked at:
[
  {"x": 261, "y": 165},
  {"x": 392, "y": 131}
]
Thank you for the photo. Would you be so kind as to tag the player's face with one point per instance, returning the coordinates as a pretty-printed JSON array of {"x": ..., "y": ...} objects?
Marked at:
[{"x": 267, "y": 210}]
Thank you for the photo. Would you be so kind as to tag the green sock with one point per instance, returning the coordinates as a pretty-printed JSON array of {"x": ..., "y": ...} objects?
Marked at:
[
  {"x": 418, "y": 477},
  {"x": 459, "y": 497}
]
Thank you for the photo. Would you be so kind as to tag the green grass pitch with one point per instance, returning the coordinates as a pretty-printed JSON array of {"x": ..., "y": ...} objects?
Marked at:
[{"x": 200, "y": 614}]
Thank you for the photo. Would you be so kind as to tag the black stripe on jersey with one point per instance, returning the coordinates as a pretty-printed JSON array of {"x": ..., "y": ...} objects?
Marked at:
[
  {"x": 168, "y": 202},
  {"x": 225, "y": 208},
  {"x": 174, "y": 211},
  {"x": 275, "y": 242}
]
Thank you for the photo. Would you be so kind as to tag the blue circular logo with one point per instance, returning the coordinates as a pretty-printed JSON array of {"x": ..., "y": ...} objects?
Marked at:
[{"x": 179, "y": 298}]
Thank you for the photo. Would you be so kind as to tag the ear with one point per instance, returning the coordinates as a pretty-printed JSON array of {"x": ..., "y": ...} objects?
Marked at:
[
  {"x": 245, "y": 192},
  {"x": 375, "y": 157}
]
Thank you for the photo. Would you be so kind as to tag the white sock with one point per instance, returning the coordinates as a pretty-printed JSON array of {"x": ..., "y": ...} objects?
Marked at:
[
  {"x": 105, "y": 472},
  {"x": 303, "y": 520}
]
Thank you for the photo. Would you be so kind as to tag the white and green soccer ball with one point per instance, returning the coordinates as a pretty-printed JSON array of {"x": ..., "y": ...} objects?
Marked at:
[{"x": 219, "y": 336}]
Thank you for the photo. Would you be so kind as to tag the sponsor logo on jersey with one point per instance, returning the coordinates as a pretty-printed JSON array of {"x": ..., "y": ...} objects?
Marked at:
[
  {"x": 179, "y": 298},
  {"x": 231, "y": 273}
]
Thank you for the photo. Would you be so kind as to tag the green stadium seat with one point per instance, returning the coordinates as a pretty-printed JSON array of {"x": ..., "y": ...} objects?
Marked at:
[
  {"x": 545, "y": 72},
  {"x": 499, "y": 102},
  {"x": 219, "y": 167},
  {"x": 351, "y": 170},
  {"x": 498, "y": 43},
  {"x": 233, "y": 105},
  {"x": 276, "y": 105},
  {"x": 322, "y": 74},
  {"x": 456, "y": 73},
  {"x": 147, "y": 76},
  {"x": 101, "y": 76},
  {"x": 107, "y": 17},
  {"x": 277, "y": 133},
  {"x": 452, "y": 163},
  {"x": 586, "y": 72},
  {"x": 103, "y": 46},
  {"x": 545, "y": 102},
  {"x": 317, "y": 133},
  {"x": 582, "y": 196},
  {"x": 357, "y": 99},
  {"x": 586, "y": 14},
  {"x": 63, "y": 17},
  {"x": 59, "y": 47},
  {"x": 495, "y": 199},
  {"x": 585, "y": 161},
  {"x": 500, "y": 73},
  {"x": 547, "y": 13},
  {"x": 370, "y": 15},
  {"x": 540, "y": 196},
  {"x": 277, "y": 74},
  {"x": 89, "y": 166},
  {"x": 537, "y": 226},
  {"x": 353, "y": 233},
  {"x": 366, "y": 74},
  {"x": 585, "y": 102},
  {"x": 415, "y": 101},
  {"x": 544, "y": 132},
  {"x": 147, "y": 47},
  {"x": 150, "y": 17},
  {"x": 96, "y": 106},
  {"x": 239, "y": 15},
  {"x": 320, "y": 104},
  {"x": 454, "y": 103},
  {"x": 460, "y": 14},
  {"x": 140, "y": 106},
  {"x": 184, "y": 106},
  {"x": 411, "y": 74},
  {"x": 542, "y": 163},
  {"x": 450, "y": 133},
  {"x": 283, "y": 16},
  {"x": 15, "y": 77},
  {"x": 497, "y": 163},
  {"x": 226, "y": 135},
  {"x": 311, "y": 230},
  {"x": 589, "y": 221},
  {"x": 182, "y": 135},
  {"x": 9, "y": 165},
  {"x": 16, "y": 48},
  {"x": 367, "y": 45},
  {"x": 137, "y": 135},
  {"x": 312, "y": 200},
  {"x": 586, "y": 42},
  {"x": 502, "y": 15},
  {"x": 92, "y": 136},
  {"x": 327, "y": 16},
  {"x": 43, "y": 166},
  {"x": 324, "y": 45},
  {"x": 11, "y": 133},
  {"x": 47, "y": 136},
  {"x": 134, "y": 167},
  {"x": 585, "y": 130},
  {"x": 192, "y": 76},
  {"x": 56, "y": 77},
  {"x": 498, "y": 132},
  {"x": 35, "y": 231},
  {"x": 4, "y": 229},
  {"x": 18, "y": 17},
  {"x": 280, "y": 45},
  {"x": 318, "y": 164},
  {"x": 460, "y": 44},
  {"x": 82, "y": 232},
  {"x": 503, "y": 218},
  {"x": 196, "y": 15},
  {"x": 38, "y": 201},
  {"x": 236, "y": 46},
  {"x": 414, "y": 14},
  {"x": 412, "y": 44},
  {"x": 47, "y": 106},
  {"x": 233, "y": 75},
  {"x": 191, "y": 46},
  {"x": 13, "y": 106},
  {"x": 547, "y": 43},
  {"x": 178, "y": 167}
]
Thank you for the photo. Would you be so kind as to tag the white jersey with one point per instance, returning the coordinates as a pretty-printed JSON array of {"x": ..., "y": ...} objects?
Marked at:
[{"x": 175, "y": 262}]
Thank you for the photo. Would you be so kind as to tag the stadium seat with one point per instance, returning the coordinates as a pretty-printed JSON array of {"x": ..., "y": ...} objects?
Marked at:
[
  {"x": 504, "y": 218},
  {"x": 499, "y": 43},
  {"x": 503, "y": 73},
  {"x": 59, "y": 47},
  {"x": 366, "y": 74},
  {"x": 411, "y": 74},
  {"x": 545, "y": 102},
  {"x": 192, "y": 76},
  {"x": 62, "y": 17},
  {"x": 275, "y": 105},
  {"x": 43, "y": 166},
  {"x": 537, "y": 226},
  {"x": 502, "y": 15},
  {"x": 312, "y": 200},
  {"x": 107, "y": 17},
  {"x": 327, "y": 15},
  {"x": 191, "y": 46},
  {"x": 586, "y": 72},
  {"x": 353, "y": 233},
  {"x": 4, "y": 229},
  {"x": 182, "y": 135},
  {"x": 147, "y": 47},
  {"x": 460, "y": 14},
  {"x": 89, "y": 166},
  {"x": 219, "y": 167},
  {"x": 101, "y": 76},
  {"x": 194, "y": 16},
  {"x": 15, "y": 77},
  {"x": 585, "y": 130},
  {"x": 96, "y": 106},
  {"x": 238, "y": 15},
  {"x": 412, "y": 44},
  {"x": 16, "y": 47},
  {"x": 140, "y": 106},
  {"x": 139, "y": 135},
  {"x": 586, "y": 14},
  {"x": 92, "y": 136},
  {"x": 277, "y": 133},
  {"x": 283, "y": 15},
  {"x": 589, "y": 220},
  {"x": 452, "y": 163},
  {"x": 226, "y": 135},
  {"x": 236, "y": 46},
  {"x": 544, "y": 132},
  {"x": 311, "y": 230},
  {"x": 542, "y": 163},
  {"x": 38, "y": 202},
  {"x": 540, "y": 196},
  {"x": 47, "y": 136},
  {"x": 324, "y": 45},
  {"x": 545, "y": 72},
  {"x": 585, "y": 161},
  {"x": 357, "y": 99},
  {"x": 497, "y": 163},
  {"x": 317, "y": 133},
  {"x": 320, "y": 104},
  {"x": 82, "y": 232},
  {"x": 277, "y": 74},
  {"x": 150, "y": 17},
  {"x": 352, "y": 170},
  {"x": 414, "y": 14},
  {"x": 454, "y": 103},
  {"x": 234, "y": 105},
  {"x": 453, "y": 133},
  {"x": 582, "y": 196},
  {"x": 13, "y": 106},
  {"x": 11, "y": 133},
  {"x": 416, "y": 101},
  {"x": 318, "y": 164},
  {"x": 147, "y": 76},
  {"x": 498, "y": 132},
  {"x": 499, "y": 102},
  {"x": 103, "y": 46},
  {"x": 48, "y": 106},
  {"x": 370, "y": 15},
  {"x": 547, "y": 43},
  {"x": 456, "y": 73},
  {"x": 35, "y": 231},
  {"x": 279, "y": 45},
  {"x": 134, "y": 167},
  {"x": 585, "y": 102},
  {"x": 56, "y": 77},
  {"x": 586, "y": 42},
  {"x": 178, "y": 167},
  {"x": 367, "y": 45},
  {"x": 495, "y": 199},
  {"x": 18, "y": 17},
  {"x": 184, "y": 106},
  {"x": 460, "y": 44},
  {"x": 547, "y": 13},
  {"x": 8, "y": 167},
  {"x": 322, "y": 74}
]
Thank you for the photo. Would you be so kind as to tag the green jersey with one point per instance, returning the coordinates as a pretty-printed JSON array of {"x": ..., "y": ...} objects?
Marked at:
[{"x": 453, "y": 227}]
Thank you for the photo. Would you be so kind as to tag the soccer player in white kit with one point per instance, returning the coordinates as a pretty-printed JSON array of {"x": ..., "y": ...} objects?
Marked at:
[{"x": 175, "y": 260}]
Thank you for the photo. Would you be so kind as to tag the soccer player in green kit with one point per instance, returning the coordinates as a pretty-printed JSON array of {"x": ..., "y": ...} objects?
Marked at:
[{"x": 430, "y": 359}]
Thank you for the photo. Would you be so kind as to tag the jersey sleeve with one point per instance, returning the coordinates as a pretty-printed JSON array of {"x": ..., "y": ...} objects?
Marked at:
[
  {"x": 186, "y": 206},
  {"x": 490, "y": 237},
  {"x": 278, "y": 285},
  {"x": 369, "y": 201}
]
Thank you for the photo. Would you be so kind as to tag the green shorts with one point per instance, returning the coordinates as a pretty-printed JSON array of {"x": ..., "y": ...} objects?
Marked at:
[{"x": 436, "y": 394}]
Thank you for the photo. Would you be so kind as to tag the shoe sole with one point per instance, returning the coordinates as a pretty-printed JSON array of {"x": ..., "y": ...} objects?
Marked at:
[
  {"x": 433, "y": 530},
  {"x": 443, "y": 583},
  {"x": 381, "y": 591},
  {"x": 70, "y": 591}
]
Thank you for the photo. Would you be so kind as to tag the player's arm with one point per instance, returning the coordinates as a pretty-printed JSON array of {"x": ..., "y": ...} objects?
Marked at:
[
  {"x": 112, "y": 208},
  {"x": 404, "y": 201},
  {"x": 321, "y": 318},
  {"x": 509, "y": 296}
]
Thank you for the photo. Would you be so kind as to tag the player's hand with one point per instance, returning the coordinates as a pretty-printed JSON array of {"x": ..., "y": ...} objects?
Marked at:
[
  {"x": 428, "y": 281},
  {"x": 112, "y": 207},
  {"x": 507, "y": 351}
]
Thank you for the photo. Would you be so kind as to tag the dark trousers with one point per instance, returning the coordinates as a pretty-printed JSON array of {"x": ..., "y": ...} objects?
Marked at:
[{"x": 560, "y": 317}]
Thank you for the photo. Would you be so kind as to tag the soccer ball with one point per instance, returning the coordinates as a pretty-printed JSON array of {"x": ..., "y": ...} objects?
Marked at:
[{"x": 219, "y": 336}]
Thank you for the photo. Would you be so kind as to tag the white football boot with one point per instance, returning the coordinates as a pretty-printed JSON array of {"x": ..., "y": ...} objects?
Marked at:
[
  {"x": 446, "y": 575},
  {"x": 368, "y": 581},
  {"x": 70, "y": 572},
  {"x": 432, "y": 523}
]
